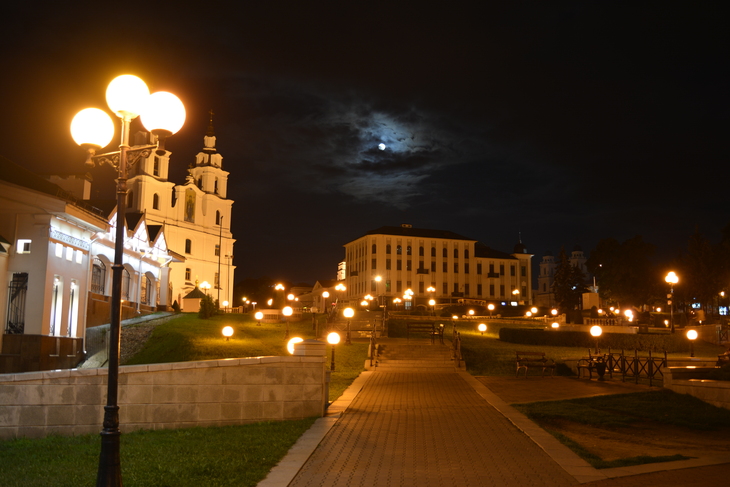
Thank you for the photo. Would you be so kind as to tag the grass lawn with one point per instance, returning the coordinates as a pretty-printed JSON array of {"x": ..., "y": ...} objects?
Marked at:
[
  {"x": 216, "y": 456},
  {"x": 622, "y": 410}
]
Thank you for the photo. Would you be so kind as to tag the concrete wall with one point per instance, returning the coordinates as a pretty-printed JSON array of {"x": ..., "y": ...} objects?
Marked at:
[
  {"x": 715, "y": 392},
  {"x": 176, "y": 395}
]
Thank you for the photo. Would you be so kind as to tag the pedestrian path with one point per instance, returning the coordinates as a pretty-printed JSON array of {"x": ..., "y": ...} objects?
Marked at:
[{"x": 439, "y": 426}]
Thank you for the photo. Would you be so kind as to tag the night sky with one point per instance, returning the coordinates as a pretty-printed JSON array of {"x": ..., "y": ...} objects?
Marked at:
[{"x": 560, "y": 123}]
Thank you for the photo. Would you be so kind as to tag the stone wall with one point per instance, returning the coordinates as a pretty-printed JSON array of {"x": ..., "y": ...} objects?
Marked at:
[
  {"x": 175, "y": 395},
  {"x": 689, "y": 381}
]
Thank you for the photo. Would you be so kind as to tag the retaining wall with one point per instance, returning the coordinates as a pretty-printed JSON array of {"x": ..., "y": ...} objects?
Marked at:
[
  {"x": 688, "y": 381},
  {"x": 174, "y": 395}
]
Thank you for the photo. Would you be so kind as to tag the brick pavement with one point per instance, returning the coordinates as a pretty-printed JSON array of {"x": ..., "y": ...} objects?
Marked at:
[{"x": 415, "y": 428}]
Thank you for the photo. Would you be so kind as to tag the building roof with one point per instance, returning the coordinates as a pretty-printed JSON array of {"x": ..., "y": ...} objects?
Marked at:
[
  {"x": 18, "y": 175},
  {"x": 195, "y": 294},
  {"x": 408, "y": 231},
  {"x": 481, "y": 250}
]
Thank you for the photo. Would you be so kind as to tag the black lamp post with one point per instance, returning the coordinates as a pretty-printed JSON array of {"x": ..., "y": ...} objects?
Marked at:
[{"x": 162, "y": 114}]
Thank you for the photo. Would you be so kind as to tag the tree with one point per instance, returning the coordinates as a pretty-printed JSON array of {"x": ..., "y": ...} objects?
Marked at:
[
  {"x": 568, "y": 283},
  {"x": 702, "y": 270},
  {"x": 625, "y": 272},
  {"x": 208, "y": 307}
]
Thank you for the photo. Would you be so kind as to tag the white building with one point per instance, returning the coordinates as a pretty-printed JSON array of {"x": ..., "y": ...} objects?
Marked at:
[
  {"x": 196, "y": 217},
  {"x": 56, "y": 254},
  {"x": 434, "y": 264},
  {"x": 544, "y": 296}
]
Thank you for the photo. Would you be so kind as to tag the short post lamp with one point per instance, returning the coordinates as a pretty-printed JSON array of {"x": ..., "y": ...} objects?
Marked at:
[
  {"x": 596, "y": 332},
  {"x": 348, "y": 313},
  {"x": 691, "y": 336},
  {"x": 290, "y": 344},
  {"x": 555, "y": 325},
  {"x": 259, "y": 316},
  {"x": 333, "y": 339},
  {"x": 227, "y": 332},
  {"x": 490, "y": 307},
  {"x": 325, "y": 295},
  {"x": 671, "y": 279},
  {"x": 162, "y": 114},
  {"x": 482, "y": 328},
  {"x": 287, "y": 311},
  {"x": 432, "y": 303}
]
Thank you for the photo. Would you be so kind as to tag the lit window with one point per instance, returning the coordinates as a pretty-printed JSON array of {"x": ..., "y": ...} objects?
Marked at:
[
  {"x": 59, "y": 250},
  {"x": 69, "y": 254},
  {"x": 79, "y": 257},
  {"x": 187, "y": 273},
  {"x": 23, "y": 246}
]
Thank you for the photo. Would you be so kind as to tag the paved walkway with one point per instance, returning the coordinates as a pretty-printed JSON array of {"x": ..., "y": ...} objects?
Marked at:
[{"x": 414, "y": 427}]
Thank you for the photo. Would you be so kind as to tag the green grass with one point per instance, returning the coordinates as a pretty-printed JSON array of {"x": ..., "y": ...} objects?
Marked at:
[
  {"x": 621, "y": 411},
  {"x": 215, "y": 456}
]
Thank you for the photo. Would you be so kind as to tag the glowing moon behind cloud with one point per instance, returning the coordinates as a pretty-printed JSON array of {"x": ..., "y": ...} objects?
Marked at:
[{"x": 381, "y": 146}]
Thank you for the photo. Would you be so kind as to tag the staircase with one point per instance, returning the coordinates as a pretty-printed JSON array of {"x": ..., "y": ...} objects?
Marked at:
[{"x": 414, "y": 354}]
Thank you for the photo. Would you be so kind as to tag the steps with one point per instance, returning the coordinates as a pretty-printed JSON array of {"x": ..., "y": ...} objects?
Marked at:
[{"x": 414, "y": 356}]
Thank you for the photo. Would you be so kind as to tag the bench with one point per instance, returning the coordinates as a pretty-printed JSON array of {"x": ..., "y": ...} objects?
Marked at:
[
  {"x": 434, "y": 330},
  {"x": 596, "y": 362},
  {"x": 534, "y": 359}
]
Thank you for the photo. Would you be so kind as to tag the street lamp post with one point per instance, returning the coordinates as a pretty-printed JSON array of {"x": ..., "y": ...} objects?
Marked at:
[
  {"x": 333, "y": 339},
  {"x": 287, "y": 312},
  {"x": 348, "y": 313},
  {"x": 162, "y": 114},
  {"x": 692, "y": 336},
  {"x": 671, "y": 279}
]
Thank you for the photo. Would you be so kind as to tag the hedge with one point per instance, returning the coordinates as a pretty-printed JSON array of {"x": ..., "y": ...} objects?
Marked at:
[{"x": 583, "y": 339}]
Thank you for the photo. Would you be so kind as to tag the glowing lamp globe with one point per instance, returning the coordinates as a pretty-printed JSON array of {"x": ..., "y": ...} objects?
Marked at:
[
  {"x": 290, "y": 344},
  {"x": 348, "y": 313},
  {"x": 127, "y": 96},
  {"x": 692, "y": 334},
  {"x": 596, "y": 331},
  {"x": 533, "y": 310},
  {"x": 555, "y": 326},
  {"x": 228, "y": 332},
  {"x": 333, "y": 338},
  {"x": 163, "y": 112},
  {"x": 287, "y": 311},
  {"x": 92, "y": 126},
  {"x": 482, "y": 327},
  {"x": 259, "y": 315}
]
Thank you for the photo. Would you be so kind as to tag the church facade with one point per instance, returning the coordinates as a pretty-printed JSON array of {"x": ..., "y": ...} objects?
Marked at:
[{"x": 196, "y": 217}]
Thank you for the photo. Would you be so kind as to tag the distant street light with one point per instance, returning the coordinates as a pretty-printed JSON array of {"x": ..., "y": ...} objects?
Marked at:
[
  {"x": 596, "y": 332},
  {"x": 333, "y": 339},
  {"x": 348, "y": 313},
  {"x": 490, "y": 307},
  {"x": 325, "y": 295},
  {"x": 671, "y": 279},
  {"x": 692, "y": 336},
  {"x": 259, "y": 316},
  {"x": 287, "y": 312},
  {"x": 482, "y": 328}
]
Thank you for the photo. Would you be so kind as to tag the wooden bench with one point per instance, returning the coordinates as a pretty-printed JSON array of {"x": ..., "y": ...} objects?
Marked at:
[
  {"x": 591, "y": 362},
  {"x": 432, "y": 328},
  {"x": 534, "y": 359}
]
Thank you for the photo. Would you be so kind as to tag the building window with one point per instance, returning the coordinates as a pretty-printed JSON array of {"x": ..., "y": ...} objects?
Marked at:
[
  {"x": 444, "y": 254},
  {"x": 456, "y": 267},
  {"x": 408, "y": 250},
  {"x": 16, "y": 304},
  {"x": 156, "y": 167},
  {"x": 420, "y": 287},
  {"x": 126, "y": 281},
  {"x": 387, "y": 249},
  {"x": 501, "y": 290},
  {"x": 479, "y": 268},
  {"x": 188, "y": 246},
  {"x": 491, "y": 289},
  {"x": 215, "y": 186},
  {"x": 398, "y": 265},
  {"x": 466, "y": 289},
  {"x": 398, "y": 286},
  {"x": 187, "y": 274},
  {"x": 491, "y": 268},
  {"x": 523, "y": 271},
  {"x": 79, "y": 257},
  {"x": 501, "y": 269},
  {"x": 387, "y": 286},
  {"x": 466, "y": 268},
  {"x": 466, "y": 253},
  {"x": 387, "y": 264},
  {"x": 420, "y": 251},
  {"x": 445, "y": 288},
  {"x": 69, "y": 254},
  {"x": 217, "y": 217},
  {"x": 433, "y": 266},
  {"x": 408, "y": 265},
  {"x": 399, "y": 250},
  {"x": 445, "y": 267},
  {"x": 374, "y": 249},
  {"x": 98, "y": 276},
  {"x": 433, "y": 251},
  {"x": 59, "y": 250},
  {"x": 144, "y": 293},
  {"x": 23, "y": 246},
  {"x": 456, "y": 253},
  {"x": 374, "y": 264},
  {"x": 479, "y": 289},
  {"x": 512, "y": 270},
  {"x": 456, "y": 287},
  {"x": 217, "y": 250}
]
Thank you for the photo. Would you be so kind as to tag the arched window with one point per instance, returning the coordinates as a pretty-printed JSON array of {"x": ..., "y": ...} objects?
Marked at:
[
  {"x": 130, "y": 199},
  {"x": 155, "y": 201},
  {"x": 444, "y": 254},
  {"x": 374, "y": 249},
  {"x": 456, "y": 253},
  {"x": 217, "y": 217},
  {"x": 215, "y": 186},
  {"x": 408, "y": 250},
  {"x": 126, "y": 281},
  {"x": 188, "y": 246},
  {"x": 387, "y": 249},
  {"x": 98, "y": 276},
  {"x": 433, "y": 251},
  {"x": 399, "y": 250},
  {"x": 420, "y": 251},
  {"x": 144, "y": 293}
]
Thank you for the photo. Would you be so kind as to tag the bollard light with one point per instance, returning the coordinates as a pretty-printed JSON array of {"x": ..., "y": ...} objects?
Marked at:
[
  {"x": 287, "y": 311},
  {"x": 596, "y": 332},
  {"x": 482, "y": 328},
  {"x": 555, "y": 325},
  {"x": 290, "y": 344},
  {"x": 692, "y": 336},
  {"x": 227, "y": 332},
  {"x": 259, "y": 316},
  {"x": 333, "y": 339}
]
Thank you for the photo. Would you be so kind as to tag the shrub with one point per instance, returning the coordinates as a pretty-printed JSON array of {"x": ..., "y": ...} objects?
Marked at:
[
  {"x": 175, "y": 306},
  {"x": 208, "y": 307},
  {"x": 583, "y": 339}
]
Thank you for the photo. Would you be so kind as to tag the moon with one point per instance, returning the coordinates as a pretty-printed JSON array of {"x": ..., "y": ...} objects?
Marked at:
[{"x": 381, "y": 146}]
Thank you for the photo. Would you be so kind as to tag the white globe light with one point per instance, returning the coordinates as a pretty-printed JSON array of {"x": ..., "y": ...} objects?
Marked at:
[
  {"x": 290, "y": 344},
  {"x": 692, "y": 334},
  {"x": 596, "y": 331},
  {"x": 482, "y": 327},
  {"x": 333, "y": 338},
  {"x": 127, "y": 96},
  {"x": 348, "y": 312},
  {"x": 92, "y": 126},
  {"x": 163, "y": 111},
  {"x": 228, "y": 331},
  {"x": 287, "y": 311}
]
